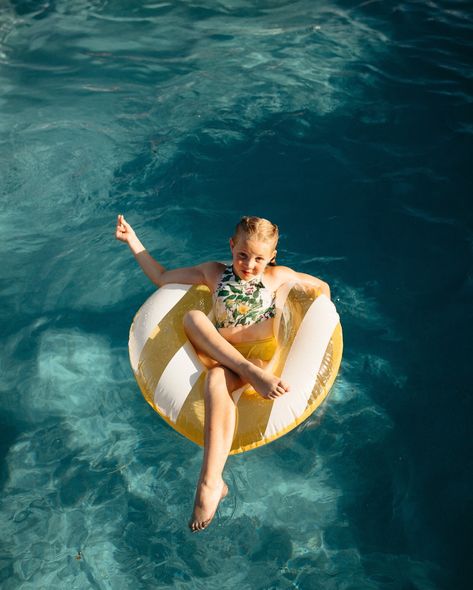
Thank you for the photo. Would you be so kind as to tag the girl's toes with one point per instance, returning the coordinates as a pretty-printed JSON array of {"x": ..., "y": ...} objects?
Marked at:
[
  {"x": 275, "y": 394},
  {"x": 285, "y": 386},
  {"x": 280, "y": 390}
]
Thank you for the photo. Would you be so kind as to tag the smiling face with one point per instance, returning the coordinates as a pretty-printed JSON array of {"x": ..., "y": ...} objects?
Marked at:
[{"x": 250, "y": 256}]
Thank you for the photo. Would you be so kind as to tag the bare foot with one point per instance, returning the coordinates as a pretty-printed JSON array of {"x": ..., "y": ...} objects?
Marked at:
[
  {"x": 206, "y": 502},
  {"x": 267, "y": 385}
]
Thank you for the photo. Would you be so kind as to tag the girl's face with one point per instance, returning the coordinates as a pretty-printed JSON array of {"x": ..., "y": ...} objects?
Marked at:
[{"x": 250, "y": 256}]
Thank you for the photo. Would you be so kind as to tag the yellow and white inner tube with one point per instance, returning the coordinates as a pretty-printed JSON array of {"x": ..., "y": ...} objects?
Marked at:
[{"x": 171, "y": 375}]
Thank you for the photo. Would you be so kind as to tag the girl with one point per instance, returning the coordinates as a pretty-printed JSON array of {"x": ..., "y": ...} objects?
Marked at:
[{"x": 237, "y": 348}]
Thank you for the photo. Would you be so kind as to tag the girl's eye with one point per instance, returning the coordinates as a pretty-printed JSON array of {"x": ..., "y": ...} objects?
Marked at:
[
  {"x": 242, "y": 255},
  {"x": 259, "y": 259}
]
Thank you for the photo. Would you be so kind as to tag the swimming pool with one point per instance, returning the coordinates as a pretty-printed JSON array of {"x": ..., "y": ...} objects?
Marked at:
[{"x": 346, "y": 123}]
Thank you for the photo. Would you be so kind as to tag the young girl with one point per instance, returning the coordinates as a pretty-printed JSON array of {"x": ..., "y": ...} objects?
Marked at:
[{"x": 237, "y": 348}]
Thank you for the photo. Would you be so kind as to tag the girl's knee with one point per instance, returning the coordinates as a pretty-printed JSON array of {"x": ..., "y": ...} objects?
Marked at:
[
  {"x": 216, "y": 374},
  {"x": 221, "y": 378},
  {"x": 192, "y": 318}
]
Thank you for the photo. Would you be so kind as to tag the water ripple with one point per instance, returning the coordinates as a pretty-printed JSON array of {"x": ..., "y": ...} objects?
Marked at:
[{"x": 348, "y": 125}]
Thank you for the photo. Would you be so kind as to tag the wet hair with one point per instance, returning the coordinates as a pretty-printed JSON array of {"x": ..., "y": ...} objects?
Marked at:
[{"x": 260, "y": 229}]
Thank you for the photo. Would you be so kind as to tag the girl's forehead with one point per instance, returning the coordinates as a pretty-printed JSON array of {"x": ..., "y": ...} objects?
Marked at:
[{"x": 253, "y": 246}]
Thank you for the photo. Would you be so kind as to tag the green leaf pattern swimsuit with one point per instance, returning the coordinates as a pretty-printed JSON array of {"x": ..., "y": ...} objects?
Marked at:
[{"x": 242, "y": 303}]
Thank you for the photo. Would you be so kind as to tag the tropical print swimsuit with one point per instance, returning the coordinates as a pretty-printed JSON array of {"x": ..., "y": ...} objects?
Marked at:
[{"x": 241, "y": 303}]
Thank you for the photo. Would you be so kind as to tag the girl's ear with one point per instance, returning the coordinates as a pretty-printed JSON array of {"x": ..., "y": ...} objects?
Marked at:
[
  {"x": 232, "y": 245},
  {"x": 272, "y": 262}
]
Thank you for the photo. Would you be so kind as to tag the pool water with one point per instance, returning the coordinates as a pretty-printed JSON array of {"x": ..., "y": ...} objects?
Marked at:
[{"x": 346, "y": 123}]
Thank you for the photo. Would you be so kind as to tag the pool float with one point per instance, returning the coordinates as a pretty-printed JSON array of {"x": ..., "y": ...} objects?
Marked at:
[{"x": 171, "y": 375}]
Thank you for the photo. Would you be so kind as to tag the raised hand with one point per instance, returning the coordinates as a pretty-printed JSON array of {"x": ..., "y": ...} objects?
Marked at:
[{"x": 124, "y": 232}]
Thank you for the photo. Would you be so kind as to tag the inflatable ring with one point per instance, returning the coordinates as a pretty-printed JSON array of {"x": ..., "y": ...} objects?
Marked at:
[{"x": 171, "y": 375}]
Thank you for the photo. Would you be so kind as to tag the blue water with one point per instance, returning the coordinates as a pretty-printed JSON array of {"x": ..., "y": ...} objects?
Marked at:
[{"x": 348, "y": 124}]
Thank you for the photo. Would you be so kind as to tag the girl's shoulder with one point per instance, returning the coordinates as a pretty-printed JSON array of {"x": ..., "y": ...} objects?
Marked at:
[
  {"x": 213, "y": 271},
  {"x": 275, "y": 276}
]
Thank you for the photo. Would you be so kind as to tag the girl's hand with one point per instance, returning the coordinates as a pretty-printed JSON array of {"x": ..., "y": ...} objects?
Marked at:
[{"x": 124, "y": 231}]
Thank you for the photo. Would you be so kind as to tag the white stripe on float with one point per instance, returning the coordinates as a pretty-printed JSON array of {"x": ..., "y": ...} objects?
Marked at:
[
  {"x": 303, "y": 364},
  {"x": 149, "y": 315},
  {"x": 177, "y": 380}
]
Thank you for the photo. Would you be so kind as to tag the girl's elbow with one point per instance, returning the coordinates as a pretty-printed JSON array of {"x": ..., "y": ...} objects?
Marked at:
[
  {"x": 326, "y": 290},
  {"x": 158, "y": 280},
  {"x": 164, "y": 277}
]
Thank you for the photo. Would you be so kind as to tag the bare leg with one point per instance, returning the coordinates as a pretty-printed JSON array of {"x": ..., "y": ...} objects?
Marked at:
[
  {"x": 203, "y": 335},
  {"x": 218, "y": 435}
]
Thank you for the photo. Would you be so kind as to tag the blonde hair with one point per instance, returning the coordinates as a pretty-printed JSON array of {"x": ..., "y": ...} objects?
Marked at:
[{"x": 258, "y": 228}]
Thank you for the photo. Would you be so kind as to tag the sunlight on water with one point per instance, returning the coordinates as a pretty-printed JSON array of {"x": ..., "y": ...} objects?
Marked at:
[
  {"x": 84, "y": 468},
  {"x": 184, "y": 116}
]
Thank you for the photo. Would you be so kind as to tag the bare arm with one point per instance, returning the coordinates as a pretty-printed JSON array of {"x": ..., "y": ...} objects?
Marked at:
[
  {"x": 157, "y": 274},
  {"x": 285, "y": 273}
]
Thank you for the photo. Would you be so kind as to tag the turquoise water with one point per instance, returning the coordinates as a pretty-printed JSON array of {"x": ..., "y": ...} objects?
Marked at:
[{"x": 349, "y": 125}]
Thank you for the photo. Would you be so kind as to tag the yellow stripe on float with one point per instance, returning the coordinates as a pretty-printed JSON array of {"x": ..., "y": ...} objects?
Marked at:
[
  {"x": 252, "y": 415},
  {"x": 166, "y": 339},
  {"x": 190, "y": 421}
]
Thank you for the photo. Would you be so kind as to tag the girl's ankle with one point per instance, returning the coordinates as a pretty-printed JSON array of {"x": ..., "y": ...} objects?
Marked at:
[
  {"x": 211, "y": 482},
  {"x": 248, "y": 370}
]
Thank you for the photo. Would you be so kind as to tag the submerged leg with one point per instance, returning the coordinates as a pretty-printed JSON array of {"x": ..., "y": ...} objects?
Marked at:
[
  {"x": 203, "y": 335},
  {"x": 219, "y": 429}
]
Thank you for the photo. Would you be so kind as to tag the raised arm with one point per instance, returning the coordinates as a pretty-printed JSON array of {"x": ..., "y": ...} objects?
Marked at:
[{"x": 157, "y": 274}]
